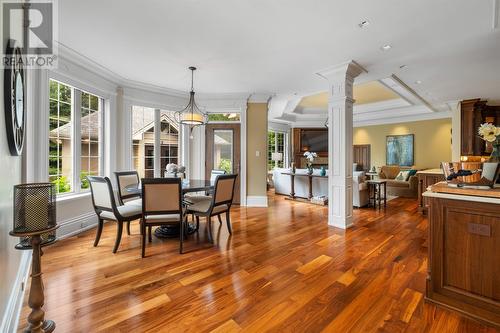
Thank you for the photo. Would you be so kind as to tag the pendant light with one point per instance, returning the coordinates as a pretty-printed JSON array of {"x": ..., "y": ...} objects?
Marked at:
[{"x": 191, "y": 115}]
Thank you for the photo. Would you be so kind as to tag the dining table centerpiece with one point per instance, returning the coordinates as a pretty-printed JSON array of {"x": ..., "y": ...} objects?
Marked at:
[
  {"x": 491, "y": 134},
  {"x": 310, "y": 156}
]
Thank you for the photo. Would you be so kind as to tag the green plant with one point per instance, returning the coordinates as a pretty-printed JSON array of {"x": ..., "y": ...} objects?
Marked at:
[
  {"x": 62, "y": 184},
  {"x": 225, "y": 164},
  {"x": 84, "y": 183}
]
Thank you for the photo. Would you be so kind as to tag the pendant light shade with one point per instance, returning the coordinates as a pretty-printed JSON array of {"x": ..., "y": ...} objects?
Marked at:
[{"x": 191, "y": 115}]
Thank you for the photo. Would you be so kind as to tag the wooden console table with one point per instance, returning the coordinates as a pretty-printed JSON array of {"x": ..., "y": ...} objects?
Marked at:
[{"x": 292, "y": 182}]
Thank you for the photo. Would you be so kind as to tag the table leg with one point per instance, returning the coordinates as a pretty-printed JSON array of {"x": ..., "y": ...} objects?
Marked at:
[
  {"x": 310, "y": 187},
  {"x": 379, "y": 197},
  {"x": 385, "y": 195},
  {"x": 292, "y": 193}
]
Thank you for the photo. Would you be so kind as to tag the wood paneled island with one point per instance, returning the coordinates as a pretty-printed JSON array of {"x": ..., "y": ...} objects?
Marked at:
[{"x": 464, "y": 252}]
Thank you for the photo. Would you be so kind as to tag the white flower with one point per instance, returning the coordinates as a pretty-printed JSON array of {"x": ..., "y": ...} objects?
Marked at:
[
  {"x": 310, "y": 156},
  {"x": 489, "y": 132}
]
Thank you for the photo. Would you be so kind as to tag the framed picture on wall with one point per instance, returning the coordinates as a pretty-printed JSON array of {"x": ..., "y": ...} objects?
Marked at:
[{"x": 399, "y": 150}]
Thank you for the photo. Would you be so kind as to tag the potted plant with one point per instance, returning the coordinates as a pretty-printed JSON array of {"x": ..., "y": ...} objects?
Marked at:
[
  {"x": 310, "y": 156},
  {"x": 491, "y": 133}
]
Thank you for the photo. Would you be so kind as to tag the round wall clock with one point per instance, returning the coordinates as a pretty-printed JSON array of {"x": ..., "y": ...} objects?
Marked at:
[{"x": 14, "y": 99}]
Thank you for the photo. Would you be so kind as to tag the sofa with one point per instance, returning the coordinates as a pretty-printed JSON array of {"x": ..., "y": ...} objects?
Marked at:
[
  {"x": 399, "y": 188},
  {"x": 282, "y": 185}
]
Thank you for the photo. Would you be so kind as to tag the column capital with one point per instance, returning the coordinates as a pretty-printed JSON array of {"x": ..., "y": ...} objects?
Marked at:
[{"x": 347, "y": 70}]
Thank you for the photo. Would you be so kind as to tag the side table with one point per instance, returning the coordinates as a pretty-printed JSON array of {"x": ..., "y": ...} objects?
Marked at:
[{"x": 375, "y": 192}]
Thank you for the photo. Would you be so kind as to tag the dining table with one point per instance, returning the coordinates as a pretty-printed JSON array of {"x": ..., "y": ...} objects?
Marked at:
[{"x": 188, "y": 186}]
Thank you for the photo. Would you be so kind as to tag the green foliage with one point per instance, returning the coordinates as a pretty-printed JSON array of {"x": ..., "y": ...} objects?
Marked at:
[
  {"x": 225, "y": 164},
  {"x": 222, "y": 117},
  {"x": 62, "y": 184},
  {"x": 84, "y": 183}
]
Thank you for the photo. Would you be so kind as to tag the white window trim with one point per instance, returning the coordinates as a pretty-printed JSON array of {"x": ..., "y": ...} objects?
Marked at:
[
  {"x": 76, "y": 140},
  {"x": 285, "y": 146}
]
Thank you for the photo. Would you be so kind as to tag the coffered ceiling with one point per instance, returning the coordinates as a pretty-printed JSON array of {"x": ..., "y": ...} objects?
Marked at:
[{"x": 443, "y": 50}]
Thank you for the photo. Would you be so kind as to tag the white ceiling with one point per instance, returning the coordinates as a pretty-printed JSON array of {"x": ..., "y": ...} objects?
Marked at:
[{"x": 277, "y": 46}]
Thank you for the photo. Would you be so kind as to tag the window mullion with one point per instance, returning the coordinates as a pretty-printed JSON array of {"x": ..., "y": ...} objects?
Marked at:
[
  {"x": 77, "y": 138},
  {"x": 157, "y": 143}
]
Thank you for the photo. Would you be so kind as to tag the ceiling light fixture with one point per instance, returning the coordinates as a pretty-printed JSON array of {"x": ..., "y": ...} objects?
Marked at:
[
  {"x": 386, "y": 47},
  {"x": 402, "y": 67},
  {"x": 191, "y": 115},
  {"x": 364, "y": 24},
  {"x": 418, "y": 82}
]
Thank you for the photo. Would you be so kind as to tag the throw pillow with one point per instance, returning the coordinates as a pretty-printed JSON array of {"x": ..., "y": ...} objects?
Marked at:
[
  {"x": 403, "y": 176},
  {"x": 413, "y": 172}
]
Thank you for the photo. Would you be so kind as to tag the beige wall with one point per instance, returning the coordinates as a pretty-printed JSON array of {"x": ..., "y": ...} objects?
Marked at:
[
  {"x": 257, "y": 141},
  {"x": 10, "y": 174},
  {"x": 432, "y": 141}
]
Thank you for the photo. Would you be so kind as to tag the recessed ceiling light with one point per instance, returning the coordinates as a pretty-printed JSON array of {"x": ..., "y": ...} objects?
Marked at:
[
  {"x": 386, "y": 47},
  {"x": 402, "y": 67},
  {"x": 418, "y": 82},
  {"x": 364, "y": 24}
]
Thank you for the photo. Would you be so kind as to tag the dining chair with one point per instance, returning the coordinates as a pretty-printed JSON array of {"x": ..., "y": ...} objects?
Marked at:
[
  {"x": 123, "y": 180},
  {"x": 104, "y": 203},
  {"x": 162, "y": 205},
  {"x": 219, "y": 203},
  {"x": 192, "y": 197}
]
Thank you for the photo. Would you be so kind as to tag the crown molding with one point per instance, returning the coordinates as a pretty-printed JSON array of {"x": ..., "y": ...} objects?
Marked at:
[
  {"x": 260, "y": 98},
  {"x": 349, "y": 68}
]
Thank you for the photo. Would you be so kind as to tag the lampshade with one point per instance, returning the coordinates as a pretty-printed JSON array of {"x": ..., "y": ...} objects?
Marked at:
[
  {"x": 34, "y": 212},
  {"x": 277, "y": 157},
  {"x": 191, "y": 115}
]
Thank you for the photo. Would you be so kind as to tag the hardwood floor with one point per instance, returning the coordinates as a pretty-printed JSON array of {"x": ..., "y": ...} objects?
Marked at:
[{"x": 283, "y": 270}]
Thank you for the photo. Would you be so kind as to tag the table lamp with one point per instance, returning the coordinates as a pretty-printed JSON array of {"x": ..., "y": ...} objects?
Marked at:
[{"x": 35, "y": 224}]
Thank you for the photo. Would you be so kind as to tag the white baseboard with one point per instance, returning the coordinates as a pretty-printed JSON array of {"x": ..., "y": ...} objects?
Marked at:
[
  {"x": 257, "y": 201},
  {"x": 10, "y": 320},
  {"x": 76, "y": 225}
]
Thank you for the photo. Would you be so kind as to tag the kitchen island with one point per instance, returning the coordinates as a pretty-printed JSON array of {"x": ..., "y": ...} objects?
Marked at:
[{"x": 464, "y": 251}]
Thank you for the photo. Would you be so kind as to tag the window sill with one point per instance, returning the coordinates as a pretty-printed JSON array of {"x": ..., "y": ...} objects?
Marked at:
[{"x": 72, "y": 197}]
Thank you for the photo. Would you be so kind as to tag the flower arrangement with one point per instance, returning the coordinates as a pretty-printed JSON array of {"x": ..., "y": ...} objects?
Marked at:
[
  {"x": 491, "y": 133},
  {"x": 310, "y": 156}
]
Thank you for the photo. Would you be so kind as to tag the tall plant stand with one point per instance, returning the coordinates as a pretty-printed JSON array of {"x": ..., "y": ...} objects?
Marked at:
[{"x": 36, "y": 321}]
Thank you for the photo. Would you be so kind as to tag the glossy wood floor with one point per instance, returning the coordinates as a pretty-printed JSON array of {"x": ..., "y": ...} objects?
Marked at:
[{"x": 283, "y": 270}]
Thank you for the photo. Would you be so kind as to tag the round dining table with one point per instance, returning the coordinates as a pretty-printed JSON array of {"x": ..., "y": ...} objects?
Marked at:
[{"x": 188, "y": 185}]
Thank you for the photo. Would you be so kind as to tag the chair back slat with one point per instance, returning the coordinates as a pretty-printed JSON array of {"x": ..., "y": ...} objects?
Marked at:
[
  {"x": 124, "y": 179},
  {"x": 101, "y": 192},
  {"x": 224, "y": 189},
  {"x": 161, "y": 196},
  {"x": 215, "y": 173}
]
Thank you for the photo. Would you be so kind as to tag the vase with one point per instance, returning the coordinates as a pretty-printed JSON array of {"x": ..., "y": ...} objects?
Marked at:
[
  {"x": 323, "y": 171},
  {"x": 309, "y": 170},
  {"x": 495, "y": 154}
]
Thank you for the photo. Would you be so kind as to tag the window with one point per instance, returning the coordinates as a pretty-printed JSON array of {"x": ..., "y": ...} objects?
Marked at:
[
  {"x": 75, "y": 134},
  {"x": 276, "y": 142},
  {"x": 90, "y": 128},
  {"x": 60, "y": 137},
  {"x": 144, "y": 129}
]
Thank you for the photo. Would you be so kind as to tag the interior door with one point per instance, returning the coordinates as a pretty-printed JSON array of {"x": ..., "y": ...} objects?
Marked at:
[
  {"x": 223, "y": 151},
  {"x": 362, "y": 156}
]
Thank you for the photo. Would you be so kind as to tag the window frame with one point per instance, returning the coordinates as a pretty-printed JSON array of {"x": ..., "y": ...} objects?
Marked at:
[
  {"x": 277, "y": 133},
  {"x": 76, "y": 137}
]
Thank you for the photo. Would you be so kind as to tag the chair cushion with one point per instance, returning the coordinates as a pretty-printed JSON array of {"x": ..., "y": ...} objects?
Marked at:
[
  {"x": 162, "y": 218},
  {"x": 202, "y": 206},
  {"x": 125, "y": 211},
  {"x": 196, "y": 198},
  {"x": 135, "y": 202}
]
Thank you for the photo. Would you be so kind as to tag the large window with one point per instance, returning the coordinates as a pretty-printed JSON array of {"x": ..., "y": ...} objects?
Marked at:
[
  {"x": 74, "y": 137},
  {"x": 276, "y": 151},
  {"x": 144, "y": 129}
]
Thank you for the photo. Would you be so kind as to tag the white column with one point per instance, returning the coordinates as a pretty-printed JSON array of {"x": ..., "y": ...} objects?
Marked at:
[{"x": 340, "y": 107}]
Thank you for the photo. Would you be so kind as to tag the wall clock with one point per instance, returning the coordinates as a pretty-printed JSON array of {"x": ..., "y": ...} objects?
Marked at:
[{"x": 14, "y": 82}]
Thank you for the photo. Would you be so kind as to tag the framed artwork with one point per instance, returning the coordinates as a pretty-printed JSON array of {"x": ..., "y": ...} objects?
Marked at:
[{"x": 399, "y": 150}]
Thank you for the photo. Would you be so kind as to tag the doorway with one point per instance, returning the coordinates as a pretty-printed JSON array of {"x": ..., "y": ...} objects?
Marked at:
[{"x": 222, "y": 152}]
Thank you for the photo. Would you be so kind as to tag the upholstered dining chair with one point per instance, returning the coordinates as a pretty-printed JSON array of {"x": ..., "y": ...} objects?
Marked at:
[
  {"x": 219, "y": 203},
  {"x": 106, "y": 209},
  {"x": 123, "y": 180},
  {"x": 162, "y": 205},
  {"x": 192, "y": 197}
]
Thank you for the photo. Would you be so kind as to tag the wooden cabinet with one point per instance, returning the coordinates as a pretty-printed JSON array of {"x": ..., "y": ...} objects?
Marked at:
[
  {"x": 474, "y": 112},
  {"x": 427, "y": 178},
  {"x": 464, "y": 258}
]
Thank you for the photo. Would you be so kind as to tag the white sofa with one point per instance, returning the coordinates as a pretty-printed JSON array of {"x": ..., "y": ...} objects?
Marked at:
[{"x": 282, "y": 185}]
